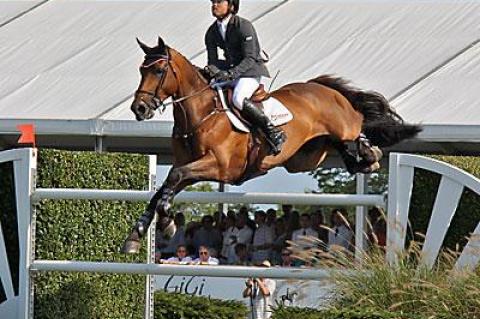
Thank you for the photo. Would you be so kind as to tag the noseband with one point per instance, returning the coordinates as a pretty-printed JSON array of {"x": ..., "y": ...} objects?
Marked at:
[{"x": 163, "y": 74}]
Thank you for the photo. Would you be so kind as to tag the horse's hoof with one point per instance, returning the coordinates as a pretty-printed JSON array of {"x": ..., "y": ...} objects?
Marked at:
[
  {"x": 131, "y": 247},
  {"x": 377, "y": 153},
  {"x": 370, "y": 169}
]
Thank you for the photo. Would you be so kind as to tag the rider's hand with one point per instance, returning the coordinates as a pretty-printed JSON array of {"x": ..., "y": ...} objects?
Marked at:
[
  {"x": 223, "y": 76},
  {"x": 212, "y": 70}
]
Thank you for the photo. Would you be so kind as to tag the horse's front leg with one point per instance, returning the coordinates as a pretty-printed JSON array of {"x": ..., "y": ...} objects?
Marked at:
[{"x": 178, "y": 178}]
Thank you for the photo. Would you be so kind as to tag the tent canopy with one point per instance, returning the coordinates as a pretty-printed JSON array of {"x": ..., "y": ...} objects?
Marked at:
[{"x": 71, "y": 67}]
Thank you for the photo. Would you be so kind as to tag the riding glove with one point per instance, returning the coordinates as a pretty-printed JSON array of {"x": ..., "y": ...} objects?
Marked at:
[
  {"x": 212, "y": 70},
  {"x": 223, "y": 76}
]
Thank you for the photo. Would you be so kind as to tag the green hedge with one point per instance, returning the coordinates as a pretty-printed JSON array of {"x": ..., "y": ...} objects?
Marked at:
[
  {"x": 88, "y": 231},
  {"x": 177, "y": 306},
  {"x": 307, "y": 313}
]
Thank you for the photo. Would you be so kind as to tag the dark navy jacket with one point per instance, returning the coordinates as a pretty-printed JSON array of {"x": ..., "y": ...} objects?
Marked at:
[{"x": 241, "y": 49}]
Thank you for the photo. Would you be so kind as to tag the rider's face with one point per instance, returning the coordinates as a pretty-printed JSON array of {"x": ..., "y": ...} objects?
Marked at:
[{"x": 220, "y": 8}]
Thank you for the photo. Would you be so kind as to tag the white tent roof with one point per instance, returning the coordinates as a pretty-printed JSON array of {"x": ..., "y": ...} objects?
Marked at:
[{"x": 72, "y": 66}]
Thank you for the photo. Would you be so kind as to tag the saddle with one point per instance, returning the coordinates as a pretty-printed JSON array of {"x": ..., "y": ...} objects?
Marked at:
[{"x": 258, "y": 96}]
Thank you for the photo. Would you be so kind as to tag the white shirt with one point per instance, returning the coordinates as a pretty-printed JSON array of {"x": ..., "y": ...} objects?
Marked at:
[
  {"x": 263, "y": 235},
  {"x": 222, "y": 26},
  {"x": 211, "y": 261},
  {"x": 185, "y": 260},
  {"x": 262, "y": 305},
  {"x": 340, "y": 236},
  {"x": 230, "y": 238},
  {"x": 244, "y": 235},
  {"x": 298, "y": 237}
]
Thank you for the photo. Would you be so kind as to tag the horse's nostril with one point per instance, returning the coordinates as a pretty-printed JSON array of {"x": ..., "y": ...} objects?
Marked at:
[{"x": 141, "y": 109}]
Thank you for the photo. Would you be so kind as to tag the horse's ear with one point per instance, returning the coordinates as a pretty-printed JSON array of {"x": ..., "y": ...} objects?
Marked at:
[
  {"x": 161, "y": 44},
  {"x": 145, "y": 48}
]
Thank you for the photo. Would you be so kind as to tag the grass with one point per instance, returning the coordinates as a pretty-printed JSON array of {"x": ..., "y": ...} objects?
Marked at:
[{"x": 408, "y": 288}]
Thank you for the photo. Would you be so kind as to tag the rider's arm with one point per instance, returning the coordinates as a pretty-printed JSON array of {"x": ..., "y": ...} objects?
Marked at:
[{"x": 249, "y": 49}]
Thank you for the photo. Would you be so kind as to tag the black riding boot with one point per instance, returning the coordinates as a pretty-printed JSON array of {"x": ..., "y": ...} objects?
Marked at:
[{"x": 275, "y": 136}]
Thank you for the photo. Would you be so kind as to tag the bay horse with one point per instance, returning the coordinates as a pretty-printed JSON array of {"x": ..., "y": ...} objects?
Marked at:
[{"x": 327, "y": 113}]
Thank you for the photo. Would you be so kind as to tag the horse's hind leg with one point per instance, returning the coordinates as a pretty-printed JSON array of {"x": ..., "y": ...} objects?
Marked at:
[
  {"x": 178, "y": 178},
  {"x": 370, "y": 154},
  {"x": 350, "y": 160},
  {"x": 365, "y": 165}
]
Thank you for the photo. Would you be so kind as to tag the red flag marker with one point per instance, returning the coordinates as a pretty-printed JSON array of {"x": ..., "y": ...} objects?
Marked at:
[{"x": 28, "y": 134}]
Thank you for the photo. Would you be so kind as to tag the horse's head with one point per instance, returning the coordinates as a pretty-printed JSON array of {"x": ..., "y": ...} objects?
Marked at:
[{"x": 158, "y": 81}]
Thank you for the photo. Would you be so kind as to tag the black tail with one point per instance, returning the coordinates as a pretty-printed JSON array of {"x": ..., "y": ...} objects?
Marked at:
[{"x": 382, "y": 125}]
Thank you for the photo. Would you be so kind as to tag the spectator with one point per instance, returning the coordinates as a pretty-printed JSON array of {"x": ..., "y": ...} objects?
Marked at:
[
  {"x": 207, "y": 235},
  {"x": 219, "y": 221},
  {"x": 161, "y": 242},
  {"x": 287, "y": 260},
  {"x": 250, "y": 223},
  {"x": 377, "y": 227},
  {"x": 204, "y": 257},
  {"x": 260, "y": 291},
  {"x": 245, "y": 234},
  {"x": 293, "y": 223},
  {"x": 280, "y": 241},
  {"x": 231, "y": 213},
  {"x": 287, "y": 211},
  {"x": 178, "y": 237},
  {"x": 181, "y": 256},
  {"x": 262, "y": 238},
  {"x": 190, "y": 231},
  {"x": 271, "y": 218},
  {"x": 318, "y": 224},
  {"x": 301, "y": 236},
  {"x": 241, "y": 255},
  {"x": 341, "y": 235},
  {"x": 158, "y": 257},
  {"x": 230, "y": 238}
]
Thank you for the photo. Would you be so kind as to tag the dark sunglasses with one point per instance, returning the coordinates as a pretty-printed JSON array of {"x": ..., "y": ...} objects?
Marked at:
[{"x": 203, "y": 253}]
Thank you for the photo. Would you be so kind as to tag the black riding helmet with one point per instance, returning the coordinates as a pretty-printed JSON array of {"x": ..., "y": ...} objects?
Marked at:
[{"x": 234, "y": 3}]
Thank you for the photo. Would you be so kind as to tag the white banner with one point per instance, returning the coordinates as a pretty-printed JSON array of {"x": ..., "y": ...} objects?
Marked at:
[{"x": 296, "y": 293}]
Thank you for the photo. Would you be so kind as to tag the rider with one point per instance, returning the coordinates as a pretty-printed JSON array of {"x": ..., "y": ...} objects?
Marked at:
[{"x": 234, "y": 55}]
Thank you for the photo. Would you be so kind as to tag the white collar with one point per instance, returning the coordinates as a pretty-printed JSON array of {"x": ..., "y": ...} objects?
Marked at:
[{"x": 225, "y": 21}]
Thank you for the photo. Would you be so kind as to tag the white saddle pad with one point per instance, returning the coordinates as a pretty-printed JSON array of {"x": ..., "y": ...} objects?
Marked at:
[{"x": 273, "y": 108}]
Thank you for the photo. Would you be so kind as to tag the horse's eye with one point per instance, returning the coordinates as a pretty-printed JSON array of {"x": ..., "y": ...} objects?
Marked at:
[{"x": 159, "y": 72}]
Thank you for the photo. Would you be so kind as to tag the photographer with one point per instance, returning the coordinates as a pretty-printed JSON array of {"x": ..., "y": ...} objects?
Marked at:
[{"x": 260, "y": 291}]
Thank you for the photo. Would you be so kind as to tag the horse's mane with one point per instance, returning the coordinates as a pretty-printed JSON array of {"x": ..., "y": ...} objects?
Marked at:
[{"x": 198, "y": 70}]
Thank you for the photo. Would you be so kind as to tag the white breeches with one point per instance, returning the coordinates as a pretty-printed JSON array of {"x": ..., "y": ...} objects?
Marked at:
[{"x": 243, "y": 89}]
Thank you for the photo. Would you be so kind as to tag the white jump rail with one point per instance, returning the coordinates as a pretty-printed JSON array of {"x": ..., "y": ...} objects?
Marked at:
[
  {"x": 207, "y": 198},
  {"x": 180, "y": 270}
]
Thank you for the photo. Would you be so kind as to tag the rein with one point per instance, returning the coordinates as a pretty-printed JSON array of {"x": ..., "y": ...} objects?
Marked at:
[{"x": 176, "y": 101}]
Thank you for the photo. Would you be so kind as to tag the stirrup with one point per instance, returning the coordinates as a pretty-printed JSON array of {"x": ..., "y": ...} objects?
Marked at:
[{"x": 276, "y": 148}]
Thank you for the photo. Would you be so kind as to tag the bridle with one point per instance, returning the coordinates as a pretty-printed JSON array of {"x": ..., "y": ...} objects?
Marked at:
[
  {"x": 163, "y": 74},
  {"x": 158, "y": 102}
]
